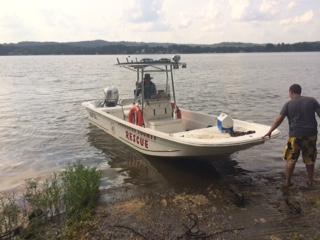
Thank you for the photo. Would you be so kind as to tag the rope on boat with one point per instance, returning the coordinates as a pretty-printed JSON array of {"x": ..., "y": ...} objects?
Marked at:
[{"x": 238, "y": 133}]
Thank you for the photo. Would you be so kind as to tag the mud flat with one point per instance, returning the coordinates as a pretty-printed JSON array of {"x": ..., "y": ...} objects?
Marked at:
[{"x": 246, "y": 206}]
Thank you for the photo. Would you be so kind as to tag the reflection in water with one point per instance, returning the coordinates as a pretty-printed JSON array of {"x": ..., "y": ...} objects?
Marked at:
[
  {"x": 133, "y": 167},
  {"x": 162, "y": 173}
]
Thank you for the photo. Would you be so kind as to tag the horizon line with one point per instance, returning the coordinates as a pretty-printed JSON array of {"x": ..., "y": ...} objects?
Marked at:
[{"x": 35, "y": 41}]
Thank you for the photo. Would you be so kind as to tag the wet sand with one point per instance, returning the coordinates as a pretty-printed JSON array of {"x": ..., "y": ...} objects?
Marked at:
[{"x": 203, "y": 204}]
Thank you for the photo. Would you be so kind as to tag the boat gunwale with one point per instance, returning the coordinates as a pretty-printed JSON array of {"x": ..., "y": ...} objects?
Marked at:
[{"x": 182, "y": 140}]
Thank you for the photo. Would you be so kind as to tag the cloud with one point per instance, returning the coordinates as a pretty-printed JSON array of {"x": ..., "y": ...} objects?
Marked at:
[
  {"x": 269, "y": 7},
  {"x": 144, "y": 10},
  {"x": 253, "y": 10},
  {"x": 15, "y": 26},
  {"x": 304, "y": 18},
  {"x": 239, "y": 8},
  {"x": 292, "y": 4},
  {"x": 146, "y": 15},
  {"x": 213, "y": 15},
  {"x": 186, "y": 21}
]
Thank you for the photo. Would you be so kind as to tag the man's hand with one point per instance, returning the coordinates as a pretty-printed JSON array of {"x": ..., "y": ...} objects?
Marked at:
[
  {"x": 268, "y": 135},
  {"x": 276, "y": 124}
]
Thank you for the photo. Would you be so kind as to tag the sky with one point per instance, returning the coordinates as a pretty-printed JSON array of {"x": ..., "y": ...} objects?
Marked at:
[{"x": 175, "y": 21}]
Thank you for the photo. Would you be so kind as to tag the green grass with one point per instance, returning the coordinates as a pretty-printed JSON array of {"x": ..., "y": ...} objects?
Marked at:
[
  {"x": 9, "y": 214},
  {"x": 81, "y": 189},
  {"x": 64, "y": 202}
]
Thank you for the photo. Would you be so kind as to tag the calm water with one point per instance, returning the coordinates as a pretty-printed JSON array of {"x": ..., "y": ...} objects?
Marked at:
[{"x": 43, "y": 127}]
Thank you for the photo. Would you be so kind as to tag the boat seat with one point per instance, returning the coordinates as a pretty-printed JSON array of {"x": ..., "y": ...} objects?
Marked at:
[
  {"x": 168, "y": 125},
  {"x": 154, "y": 110}
]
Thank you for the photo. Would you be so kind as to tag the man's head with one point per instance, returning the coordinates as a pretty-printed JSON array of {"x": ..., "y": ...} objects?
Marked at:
[
  {"x": 147, "y": 77},
  {"x": 294, "y": 90}
]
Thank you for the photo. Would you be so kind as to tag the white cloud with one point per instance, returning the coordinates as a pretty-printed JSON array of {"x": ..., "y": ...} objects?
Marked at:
[
  {"x": 213, "y": 16},
  {"x": 304, "y": 18},
  {"x": 185, "y": 21},
  {"x": 292, "y": 4},
  {"x": 144, "y": 10},
  {"x": 269, "y": 7},
  {"x": 239, "y": 8},
  {"x": 146, "y": 15}
]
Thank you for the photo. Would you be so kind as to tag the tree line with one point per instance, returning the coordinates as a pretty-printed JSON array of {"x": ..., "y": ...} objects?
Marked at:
[{"x": 104, "y": 47}]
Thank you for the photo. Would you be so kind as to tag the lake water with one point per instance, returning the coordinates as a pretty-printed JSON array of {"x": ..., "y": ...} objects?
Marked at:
[{"x": 43, "y": 126}]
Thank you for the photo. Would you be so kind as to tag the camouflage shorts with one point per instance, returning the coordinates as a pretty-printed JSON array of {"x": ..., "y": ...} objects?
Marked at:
[{"x": 306, "y": 145}]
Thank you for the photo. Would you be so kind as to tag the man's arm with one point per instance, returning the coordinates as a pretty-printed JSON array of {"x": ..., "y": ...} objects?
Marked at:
[
  {"x": 276, "y": 124},
  {"x": 318, "y": 110}
]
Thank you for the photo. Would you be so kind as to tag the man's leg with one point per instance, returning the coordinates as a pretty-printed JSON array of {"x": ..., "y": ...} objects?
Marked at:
[
  {"x": 310, "y": 171},
  {"x": 309, "y": 154},
  {"x": 289, "y": 171},
  {"x": 291, "y": 155}
]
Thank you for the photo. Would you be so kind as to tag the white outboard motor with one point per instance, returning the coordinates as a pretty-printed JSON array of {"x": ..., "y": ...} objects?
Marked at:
[
  {"x": 111, "y": 96},
  {"x": 225, "y": 123},
  {"x": 176, "y": 59}
]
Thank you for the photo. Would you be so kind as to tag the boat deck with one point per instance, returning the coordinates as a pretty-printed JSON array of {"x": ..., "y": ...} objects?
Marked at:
[{"x": 203, "y": 133}]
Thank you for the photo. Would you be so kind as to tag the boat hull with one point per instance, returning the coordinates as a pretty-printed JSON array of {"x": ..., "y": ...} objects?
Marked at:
[{"x": 154, "y": 143}]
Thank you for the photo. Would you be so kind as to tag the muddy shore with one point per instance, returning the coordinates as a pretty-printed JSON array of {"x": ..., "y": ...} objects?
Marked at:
[{"x": 232, "y": 205}]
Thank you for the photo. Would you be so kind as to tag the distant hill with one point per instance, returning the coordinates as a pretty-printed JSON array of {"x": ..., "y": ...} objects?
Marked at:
[{"x": 106, "y": 47}]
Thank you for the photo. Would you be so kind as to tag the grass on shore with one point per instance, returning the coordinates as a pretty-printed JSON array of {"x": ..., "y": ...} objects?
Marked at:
[{"x": 60, "y": 207}]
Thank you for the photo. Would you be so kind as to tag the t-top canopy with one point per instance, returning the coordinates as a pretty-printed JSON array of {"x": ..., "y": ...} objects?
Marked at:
[{"x": 152, "y": 63}]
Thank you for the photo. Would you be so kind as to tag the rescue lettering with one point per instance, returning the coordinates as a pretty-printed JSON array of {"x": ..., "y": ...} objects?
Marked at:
[{"x": 137, "y": 139}]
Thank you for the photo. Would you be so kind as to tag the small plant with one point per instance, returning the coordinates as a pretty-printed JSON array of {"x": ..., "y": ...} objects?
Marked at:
[
  {"x": 33, "y": 196},
  {"x": 72, "y": 194},
  {"x": 79, "y": 225},
  {"x": 53, "y": 196},
  {"x": 44, "y": 198},
  {"x": 81, "y": 188},
  {"x": 81, "y": 191},
  {"x": 9, "y": 215}
]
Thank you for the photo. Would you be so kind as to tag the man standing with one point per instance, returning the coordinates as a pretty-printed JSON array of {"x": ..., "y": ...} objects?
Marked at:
[{"x": 300, "y": 111}]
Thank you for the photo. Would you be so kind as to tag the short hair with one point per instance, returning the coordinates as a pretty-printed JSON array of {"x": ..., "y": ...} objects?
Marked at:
[{"x": 295, "y": 88}]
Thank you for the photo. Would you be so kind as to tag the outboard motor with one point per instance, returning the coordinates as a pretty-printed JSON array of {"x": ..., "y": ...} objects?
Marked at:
[
  {"x": 176, "y": 59},
  {"x": 111, "y": 96}
]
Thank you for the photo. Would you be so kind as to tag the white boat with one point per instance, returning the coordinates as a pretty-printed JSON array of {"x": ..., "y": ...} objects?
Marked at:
[{"x": 155, "y": 126}]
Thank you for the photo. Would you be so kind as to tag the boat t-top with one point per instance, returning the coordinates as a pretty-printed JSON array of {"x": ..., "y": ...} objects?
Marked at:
[{"x": 152, "y": 123}]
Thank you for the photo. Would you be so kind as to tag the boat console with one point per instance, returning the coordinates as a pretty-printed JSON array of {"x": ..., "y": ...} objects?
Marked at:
[{"x": 158, "y": 115}]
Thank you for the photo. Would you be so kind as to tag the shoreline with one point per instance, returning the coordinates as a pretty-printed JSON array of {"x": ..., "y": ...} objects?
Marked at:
[
  {"x": 241, "y": 205},
  {"x": 251, "y": 208}
]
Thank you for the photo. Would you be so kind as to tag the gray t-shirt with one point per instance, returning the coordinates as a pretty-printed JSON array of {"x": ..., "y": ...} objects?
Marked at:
[{"x": 301, "y": 116}]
